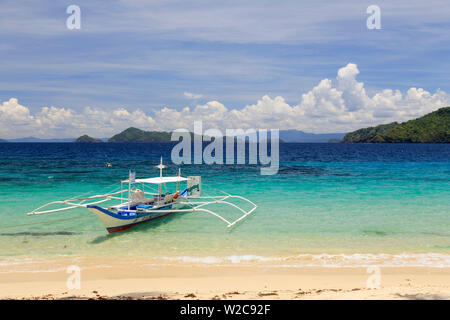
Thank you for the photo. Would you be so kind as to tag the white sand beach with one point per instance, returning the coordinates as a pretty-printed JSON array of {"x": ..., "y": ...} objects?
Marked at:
[{"x": 142, "y": 279}]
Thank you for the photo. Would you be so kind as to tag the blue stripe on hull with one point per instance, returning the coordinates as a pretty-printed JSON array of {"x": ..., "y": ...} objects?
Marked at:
[
  {"x": 138, "y": 214},
  {"x": 127, "y": 226}
]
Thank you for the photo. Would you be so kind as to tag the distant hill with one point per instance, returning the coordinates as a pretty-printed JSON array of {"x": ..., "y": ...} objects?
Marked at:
[
  {"x": 87, "y": 139},
  {"x": 300, "y": 136},
  {"x": 433, "y": 127},
  {"x": 297, "y": 136},
  {"x": 137, "y": 135},
  {"x": 33, "y": 139}
]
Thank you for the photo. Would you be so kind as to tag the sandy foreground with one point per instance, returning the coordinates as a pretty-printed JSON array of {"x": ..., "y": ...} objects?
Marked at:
[{"x": 118, "y": 278}]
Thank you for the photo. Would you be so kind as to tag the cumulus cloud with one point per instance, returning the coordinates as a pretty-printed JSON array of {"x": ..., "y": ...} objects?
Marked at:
[
  {"x": 53, "y": 122},
  {"x": 12, "y": 111},
  {"x": 338, "y": 105}
]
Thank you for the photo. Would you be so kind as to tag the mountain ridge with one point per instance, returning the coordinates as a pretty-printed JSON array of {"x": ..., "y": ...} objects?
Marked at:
[{"x": 286, "y": 136}]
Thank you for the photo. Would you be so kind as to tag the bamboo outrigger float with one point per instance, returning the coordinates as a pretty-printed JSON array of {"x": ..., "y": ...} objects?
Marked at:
[{"x": 138, "y": 206}]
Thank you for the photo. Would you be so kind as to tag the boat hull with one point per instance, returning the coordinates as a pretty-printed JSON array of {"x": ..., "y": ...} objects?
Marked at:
[{"x": 114, "y": 222}]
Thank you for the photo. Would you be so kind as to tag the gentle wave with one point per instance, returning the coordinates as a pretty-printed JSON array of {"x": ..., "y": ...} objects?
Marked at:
[
  {"x": 232, "y": 259},
  {"x": 326, "y": 260},
  {"x": 41, "y": 264},
  {"x": 435, "y": 260}
]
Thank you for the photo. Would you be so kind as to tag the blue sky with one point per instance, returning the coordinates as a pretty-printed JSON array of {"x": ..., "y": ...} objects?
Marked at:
[{"x": 148, "y": 56}]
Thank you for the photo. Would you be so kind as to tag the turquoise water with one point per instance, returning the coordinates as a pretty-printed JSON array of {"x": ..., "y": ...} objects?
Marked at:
[{"x": 338, "y": 199}]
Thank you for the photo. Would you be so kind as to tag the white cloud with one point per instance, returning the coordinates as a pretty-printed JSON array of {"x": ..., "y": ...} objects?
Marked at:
[
  {"x": 193, "y": 96},
  {"x": 12, "y": 111},
  {"x": 332, "y": 106},
  {"x": 338, "y": 105},
  {"x": 53, "y": 122}
]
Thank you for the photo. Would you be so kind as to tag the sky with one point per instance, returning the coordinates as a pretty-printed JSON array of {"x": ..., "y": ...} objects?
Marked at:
[{"x": 161, "y": 65}]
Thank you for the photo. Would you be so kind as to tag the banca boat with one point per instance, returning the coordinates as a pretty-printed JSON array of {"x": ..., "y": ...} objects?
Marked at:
[{"x": 136, "y": 205}]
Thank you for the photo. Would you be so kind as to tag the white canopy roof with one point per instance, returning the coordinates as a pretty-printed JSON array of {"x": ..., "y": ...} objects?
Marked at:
[{"x": 159, "y": 180}]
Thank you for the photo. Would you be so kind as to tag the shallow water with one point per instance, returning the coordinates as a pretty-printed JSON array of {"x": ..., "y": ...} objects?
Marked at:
[{"x": 338, "y": 199}]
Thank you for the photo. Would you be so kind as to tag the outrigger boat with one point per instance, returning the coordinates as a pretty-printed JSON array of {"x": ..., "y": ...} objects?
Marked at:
[{"x": 138, "y": 206}]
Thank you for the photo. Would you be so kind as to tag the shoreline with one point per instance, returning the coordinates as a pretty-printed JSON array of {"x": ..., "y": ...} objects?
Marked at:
[
  {"x": 31, "y": 263},
  {"x": 142, "y": 278}
]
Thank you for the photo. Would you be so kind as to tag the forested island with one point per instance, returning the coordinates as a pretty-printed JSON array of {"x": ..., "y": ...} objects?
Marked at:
[
  {"x": 87, "y": 139},
  {"x": 431, "y": 128},
  {"x": 137, "y": 135}
]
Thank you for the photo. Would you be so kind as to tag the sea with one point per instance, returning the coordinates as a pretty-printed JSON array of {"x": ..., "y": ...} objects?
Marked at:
[{"x": 330, "y": 204}]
